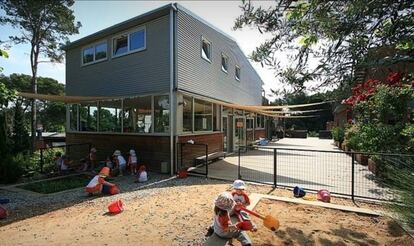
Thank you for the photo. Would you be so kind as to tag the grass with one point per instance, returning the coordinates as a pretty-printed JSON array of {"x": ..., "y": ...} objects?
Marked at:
[{"x": 56, "y": 185}]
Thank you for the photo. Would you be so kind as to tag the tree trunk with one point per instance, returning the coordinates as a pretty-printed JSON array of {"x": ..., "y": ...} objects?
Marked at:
[{"x": 34, "y": 54}]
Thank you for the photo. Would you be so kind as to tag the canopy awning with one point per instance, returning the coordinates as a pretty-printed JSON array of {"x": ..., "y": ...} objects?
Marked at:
[{"x": 264, "y": 110}]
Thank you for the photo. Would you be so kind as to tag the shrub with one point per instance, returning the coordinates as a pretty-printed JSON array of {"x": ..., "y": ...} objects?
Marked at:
[
  {"x": 351, "y": 137},
  {"x": 338, "y": 134},
  {"x": 313, "y": 134},
  {"x": 11, "y": 168}
]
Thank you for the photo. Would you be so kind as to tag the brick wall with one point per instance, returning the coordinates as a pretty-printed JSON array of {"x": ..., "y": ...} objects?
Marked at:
[
  {"x": 151, "y": 150},
  {"x": 259, "y": 133},
  {"x": 190, "y": 152}
]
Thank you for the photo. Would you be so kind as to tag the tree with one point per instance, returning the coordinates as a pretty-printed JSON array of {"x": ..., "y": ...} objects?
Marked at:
[
  {"x": 45, "y": 25},
  {"x": 328, "y": 40},
  {"x": 20, "y": 137}
]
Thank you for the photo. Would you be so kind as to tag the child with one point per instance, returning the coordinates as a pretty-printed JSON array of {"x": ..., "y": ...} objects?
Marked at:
[
  {"x": 83, "y": 166},
  {"x": 222, "y": 224},
  {"x": 239, "y": 194},
  {"x": 132, "y": 161},
  {"x": 99, "y": 185},
  {"x": 65, "y": 164},
  {"x": 108, "y": 162},
  {"x": 92, "y": 159},
  {"x": 120, "y": 162},
  {"x": 242, "y": 200},
  {"x": 142, "y": 174},
  {"x": 58, "y": 160}
]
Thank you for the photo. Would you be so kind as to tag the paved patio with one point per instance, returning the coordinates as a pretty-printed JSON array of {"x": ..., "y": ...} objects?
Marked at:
[{"x": 298, "y": 165}]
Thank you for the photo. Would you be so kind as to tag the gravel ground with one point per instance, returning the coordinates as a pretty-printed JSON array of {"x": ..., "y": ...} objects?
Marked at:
[{"x": 174, "y": 212}]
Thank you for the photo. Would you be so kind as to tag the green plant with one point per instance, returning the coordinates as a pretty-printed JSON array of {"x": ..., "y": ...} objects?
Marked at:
[
  {"x": 11, "y": 168},
  {"x": 313, "y": 134},
  {"x": 56, "y": 185},
  {"x": 338, "y": 134},
  {"x": 351, "y": 137}
]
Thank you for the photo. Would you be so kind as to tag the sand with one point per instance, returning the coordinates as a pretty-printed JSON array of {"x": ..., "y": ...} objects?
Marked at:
[{"x": 178, "y": 212}]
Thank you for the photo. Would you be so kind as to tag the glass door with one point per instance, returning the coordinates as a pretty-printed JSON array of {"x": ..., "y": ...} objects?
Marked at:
[
  {"x": 239, "y": 138},
  {"x": 225, "y": 134}
]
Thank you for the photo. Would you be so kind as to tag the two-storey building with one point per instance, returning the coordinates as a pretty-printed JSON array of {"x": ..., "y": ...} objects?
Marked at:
[{"x": 170, "y": 73}]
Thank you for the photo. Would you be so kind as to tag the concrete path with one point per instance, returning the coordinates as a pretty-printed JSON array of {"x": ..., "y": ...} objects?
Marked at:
[{"x": 297, "y": 165}]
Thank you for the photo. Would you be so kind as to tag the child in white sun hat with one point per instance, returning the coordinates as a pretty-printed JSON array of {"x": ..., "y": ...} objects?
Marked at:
[
  {"x": 239, "y": 193},
  {"x": 120, "y": 162},
  {"x": 222, "y": 224}
]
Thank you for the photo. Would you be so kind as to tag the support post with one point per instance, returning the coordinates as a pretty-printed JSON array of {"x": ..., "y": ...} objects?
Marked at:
[
  {"x": 206, "y": 160},
  {"x": 41, "y": 161},
  {"x": 238, "y": 166},
  {"x": 275, "y": 167},
  {"x": 353, "y": 177}
]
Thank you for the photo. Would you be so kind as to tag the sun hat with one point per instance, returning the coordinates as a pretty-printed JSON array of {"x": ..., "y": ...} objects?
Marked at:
[
  {"x": 132, "y": 152},
  {"x": 239, "y": 185},
  {"x": 93, "y": 150},
  {"x": 117, "y": 152},
  {"x": 225, "y": 201},
  {"x": 104, "y": 172}
]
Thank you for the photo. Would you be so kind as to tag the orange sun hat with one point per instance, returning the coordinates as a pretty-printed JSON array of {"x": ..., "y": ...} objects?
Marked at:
[{"x": 104, "y": 171}]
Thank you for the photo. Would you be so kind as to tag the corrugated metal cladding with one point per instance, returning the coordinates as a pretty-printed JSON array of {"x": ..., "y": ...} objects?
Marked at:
[
  {"x": 199, "y": 76},
  {"x": 142, "y": 72}
]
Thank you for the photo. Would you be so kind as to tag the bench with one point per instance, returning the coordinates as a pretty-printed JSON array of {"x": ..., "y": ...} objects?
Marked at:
[{"x": 210, "y": 157}]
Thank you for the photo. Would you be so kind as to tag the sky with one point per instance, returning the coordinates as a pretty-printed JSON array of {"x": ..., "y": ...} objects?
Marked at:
[{"x": 97, "y": 15}]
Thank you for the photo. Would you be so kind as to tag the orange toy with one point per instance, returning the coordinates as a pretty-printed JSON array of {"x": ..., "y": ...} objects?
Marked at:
[{"x": 268, "y": 221}]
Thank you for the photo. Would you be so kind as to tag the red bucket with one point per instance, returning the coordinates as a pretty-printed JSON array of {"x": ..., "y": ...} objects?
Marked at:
[
  {"x": 115, "y": 207},
  {"x": 182, "y": 174}
]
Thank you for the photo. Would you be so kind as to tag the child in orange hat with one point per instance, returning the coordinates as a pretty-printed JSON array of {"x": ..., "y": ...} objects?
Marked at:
[{"x": 98, "y": 184}]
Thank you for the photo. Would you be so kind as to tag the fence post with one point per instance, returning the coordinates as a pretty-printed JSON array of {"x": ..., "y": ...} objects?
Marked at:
[
  {"x": 181, "y": 156},
  {"x": 353, "y": 177},
  {"x": 206, "y": 160},
  {"x": 41, "y": 161},
  {"x": 238, "y": 167},
  {"x": 275, "y": 167}
]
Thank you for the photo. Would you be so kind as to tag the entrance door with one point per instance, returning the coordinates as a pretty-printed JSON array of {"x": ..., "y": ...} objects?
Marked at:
[
  {"x": 225, "y": 134},
  {"x": 239, "y": 138}
]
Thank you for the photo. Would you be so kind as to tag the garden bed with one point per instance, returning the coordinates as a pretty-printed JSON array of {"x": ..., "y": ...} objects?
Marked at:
[
  {"x": 57, "y": 185},
  {"x": 311, "y": 225}
]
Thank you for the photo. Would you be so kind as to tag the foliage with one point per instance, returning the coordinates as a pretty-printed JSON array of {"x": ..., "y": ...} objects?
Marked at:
[
  {"x": 11, "y": 168},
  {"x": 20, "y": 136},
  {"x": 351, "y": 137},
  {"x": 3, "y": 54},
  {"x": 56, "y": 185},
  {"x": 408, "y": 137},
  {"x": 338, "y": 134},
  {"x": 337, "y": 36},
  {"x": 313, "y": 134},
  {"x": 45, "y": 25}
]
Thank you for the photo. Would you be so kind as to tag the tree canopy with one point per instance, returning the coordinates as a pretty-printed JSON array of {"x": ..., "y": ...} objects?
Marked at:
[{"x": 327, "y": 40}]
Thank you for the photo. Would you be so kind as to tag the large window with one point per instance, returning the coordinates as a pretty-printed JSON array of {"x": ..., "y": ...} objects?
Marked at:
[
  {"x": 187, "y": 114},
  {"x": 129, "y": 42},
  {"x": 88, "y": 117},
  {"x": 110, "y": 114},
  {"x": 161, "y": 114},
  {"x": 94, "y": 53},
  {"x": 203, "y": 115},
  {"x": 138, "y": 115},
  {"x": 73, "y": 117},
  {"x": 249, "y": 123},
  {"x": 224, "y": 63},
  {"x": 206, "y": 49}
]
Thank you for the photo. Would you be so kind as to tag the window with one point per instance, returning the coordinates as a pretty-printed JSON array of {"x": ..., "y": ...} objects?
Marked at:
[
  {"x": 110, "y": 113},
  {"x": 138, "y": 115},
  {"x": 237, "y": 73},
  {"x": 260, "y": 122},
  {"x": 206, "y": 49},
  {"x": 249, "y": 123},
  {"x": 130, "y": 42},
  {"x": 224, "y": 63},
  {"x": 161, "y": 113},
  {"x": 88, "y": 117},
  {"x": 203, "y": 115},
  {"x": 94, "y": 53},
  {"x": 187, "y": 114}
]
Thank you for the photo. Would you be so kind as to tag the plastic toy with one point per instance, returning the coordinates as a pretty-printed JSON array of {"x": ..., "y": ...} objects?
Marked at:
[
  {"x": 115, "y": 207},
  {"x": 268, "y": 221}
]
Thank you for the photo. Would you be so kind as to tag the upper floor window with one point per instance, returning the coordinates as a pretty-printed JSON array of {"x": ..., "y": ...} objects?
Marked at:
[
  {"x": 224, "y": 63},
  {"x": 129, "y": 42},
  {"x": 206, "y": 49},
  {"x": 237, "y": 73},
  {"x": 94, "y": 53}
]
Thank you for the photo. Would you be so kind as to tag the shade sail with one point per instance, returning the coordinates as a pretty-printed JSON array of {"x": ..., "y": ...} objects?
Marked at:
[{"x": 65, "y": 99}]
